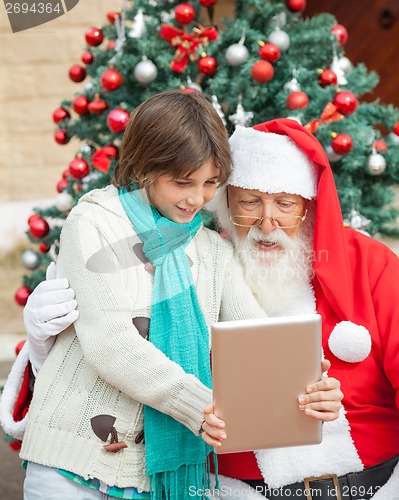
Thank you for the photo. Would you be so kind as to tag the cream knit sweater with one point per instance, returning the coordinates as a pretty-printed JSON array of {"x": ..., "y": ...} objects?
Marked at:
[{"x": 101, "y": 364}]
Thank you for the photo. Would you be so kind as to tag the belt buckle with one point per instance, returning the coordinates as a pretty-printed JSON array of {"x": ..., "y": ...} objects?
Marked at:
[{"x": 309, "y": 480}]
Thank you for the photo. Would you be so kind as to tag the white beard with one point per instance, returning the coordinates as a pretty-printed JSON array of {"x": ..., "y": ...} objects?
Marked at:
[{"x": 277, "y": 278}]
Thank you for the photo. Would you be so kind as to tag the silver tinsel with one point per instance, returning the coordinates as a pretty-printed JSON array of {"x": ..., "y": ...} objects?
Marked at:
[
  {"x": 31, "y": 259},
  {"x": 241, "y": 117},
  {"x": 218, "y": 107}
]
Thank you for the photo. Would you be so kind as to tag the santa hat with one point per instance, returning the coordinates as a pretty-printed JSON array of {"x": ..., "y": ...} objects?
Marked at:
[
  {"x": 271, "y": 163},
  {"x": 334, "y": 276}
]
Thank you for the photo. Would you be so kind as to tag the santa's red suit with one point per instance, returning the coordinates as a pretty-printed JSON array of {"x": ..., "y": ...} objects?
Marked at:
[{"x": 355, "y": 290}]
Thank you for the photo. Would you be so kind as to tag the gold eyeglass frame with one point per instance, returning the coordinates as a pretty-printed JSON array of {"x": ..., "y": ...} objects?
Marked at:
[{"x": 274, "y": 220}]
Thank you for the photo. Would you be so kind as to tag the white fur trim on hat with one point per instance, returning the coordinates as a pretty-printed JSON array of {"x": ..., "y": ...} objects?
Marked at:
[
  {"x": 350, "y": 342},
  {"x": 10, "y": 396},
  {"x": 270, "y": 163}
]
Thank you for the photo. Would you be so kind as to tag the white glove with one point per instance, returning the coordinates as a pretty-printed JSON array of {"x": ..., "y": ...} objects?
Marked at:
[{"x": 50, "y": 308}]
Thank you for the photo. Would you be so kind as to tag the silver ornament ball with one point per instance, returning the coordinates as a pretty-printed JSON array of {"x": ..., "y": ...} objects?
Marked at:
[
  {"x": 237, "y": 54},
  {"x": 31, "y": 259},
  {"x": 376, "y": 164},
  {"x": 331, "y": 154},
  {"x": 280, "y": 38},
  {"x": 145, "y": 71},
  {"x": 292, "y": 85},
  {"x": 64, "y": 202}
]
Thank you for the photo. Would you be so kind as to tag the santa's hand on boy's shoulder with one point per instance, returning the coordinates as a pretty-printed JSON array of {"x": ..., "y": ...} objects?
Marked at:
[{"x": 50, "y": 309}]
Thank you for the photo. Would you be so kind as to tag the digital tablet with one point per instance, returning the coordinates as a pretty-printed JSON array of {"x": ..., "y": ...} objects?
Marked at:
[{"x": 259, "y": 368}]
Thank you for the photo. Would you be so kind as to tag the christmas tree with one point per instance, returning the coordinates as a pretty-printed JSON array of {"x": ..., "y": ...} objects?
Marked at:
[{"x": 265, "y": 61}]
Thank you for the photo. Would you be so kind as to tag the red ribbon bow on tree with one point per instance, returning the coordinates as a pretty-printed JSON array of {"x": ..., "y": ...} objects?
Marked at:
[
  {"x": 186, "y": 44},
  {"x": 329, "y": 115}
]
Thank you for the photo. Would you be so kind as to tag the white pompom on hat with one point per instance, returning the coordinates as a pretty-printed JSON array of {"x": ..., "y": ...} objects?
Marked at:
[{"x": 271, "y": 163}]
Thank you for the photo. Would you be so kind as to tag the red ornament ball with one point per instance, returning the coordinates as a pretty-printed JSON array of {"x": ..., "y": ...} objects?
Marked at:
[
  {"x": 327, "y": 77},
  {"x": 61, "y": 136},
  {"x": 97, "y": 105},
  {"x": 62, "y": 185},
  {"x": 342, "y": 144},
  {"x": 207, "y": 3},
  {"x": 396, "y": 128},
  {"x": 44, "y": 248},
  {"x": 87, "y": 57},
  {"x": 117, "y": 120},
  {"x": 112, "y": 16},
  {"x": 94, "y": 36},
  {"x": 262, "y": 72},
  {"x": 346, "y": 102},
  {"x": 296, "y": 5},
  {"x": 65, "y": 173},
  {"x": 78, "y": 168},
  {"x": 38, "y": 228},
  {"x": 60, "y": 114},
  {"x": 77, "y": 73},
  {"x": 297, "y": 100},
  {"x": 80, "y": 105},
  {"x": 269, "y": 52},
  {"x": 22, "y": 294},
  {"x": 340, "y": 32},
  {"x": 111, "y": 80},
  {"x": 207, "y": 65},
  {"x": 380, "y": 145},
  {"x": 32, "y": 218},
  {"x": 184, "y": 13}
]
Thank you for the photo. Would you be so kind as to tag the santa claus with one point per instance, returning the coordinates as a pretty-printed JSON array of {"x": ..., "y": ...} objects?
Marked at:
[{"x": 281, "y": 211}]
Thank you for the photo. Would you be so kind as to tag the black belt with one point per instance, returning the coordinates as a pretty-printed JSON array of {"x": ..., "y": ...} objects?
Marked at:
[{"x": 354, "y": 486}]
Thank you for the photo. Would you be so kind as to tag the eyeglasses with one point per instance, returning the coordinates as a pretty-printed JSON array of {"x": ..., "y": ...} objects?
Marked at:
[{"x": 280, "y": 222}]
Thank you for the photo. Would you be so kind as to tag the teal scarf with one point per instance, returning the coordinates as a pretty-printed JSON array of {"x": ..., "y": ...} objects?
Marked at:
[{"x": 176, "y": 459}]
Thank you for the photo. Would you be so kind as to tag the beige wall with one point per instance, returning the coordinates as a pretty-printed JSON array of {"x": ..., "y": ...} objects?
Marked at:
[{"x": 34, "y": 79}]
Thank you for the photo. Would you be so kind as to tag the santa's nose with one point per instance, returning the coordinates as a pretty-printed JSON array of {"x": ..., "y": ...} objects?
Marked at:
[{"x": 267, "y": 225}]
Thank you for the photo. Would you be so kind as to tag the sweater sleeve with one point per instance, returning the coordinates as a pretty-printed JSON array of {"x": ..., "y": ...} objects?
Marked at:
[
  {"x": 110, "y": 343},
  {"x": 238, "y": 301}
]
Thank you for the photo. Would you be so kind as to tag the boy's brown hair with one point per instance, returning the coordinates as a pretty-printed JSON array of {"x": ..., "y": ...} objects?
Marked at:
[{"x": 172, "y": 133}]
